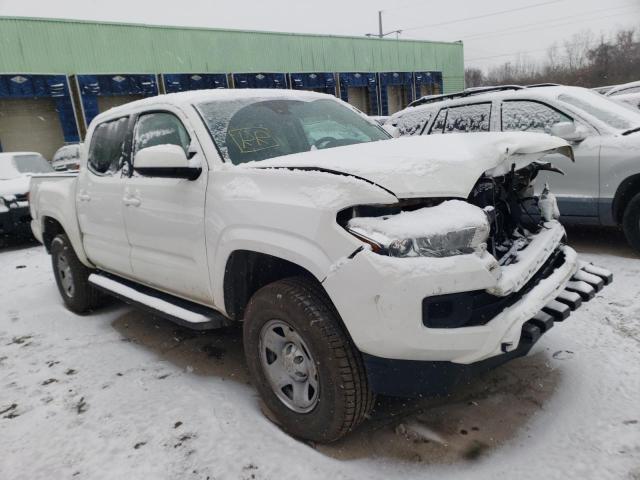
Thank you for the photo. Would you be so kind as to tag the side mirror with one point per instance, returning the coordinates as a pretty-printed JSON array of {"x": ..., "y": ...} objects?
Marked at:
[
  {"x": 568, "y": 131},
  {"x": 167, "y": 161}
]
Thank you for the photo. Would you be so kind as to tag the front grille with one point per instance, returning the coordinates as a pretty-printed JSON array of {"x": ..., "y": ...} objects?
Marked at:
[{"x": 478, "y": 307}]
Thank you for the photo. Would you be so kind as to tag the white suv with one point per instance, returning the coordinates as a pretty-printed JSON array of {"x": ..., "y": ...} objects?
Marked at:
[
  {"x": 601, "y": 187},
  {"x": 358, "y": 264}
]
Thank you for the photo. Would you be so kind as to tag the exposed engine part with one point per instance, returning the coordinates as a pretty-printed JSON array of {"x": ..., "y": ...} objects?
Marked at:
[{"x": 513, "y": 209}]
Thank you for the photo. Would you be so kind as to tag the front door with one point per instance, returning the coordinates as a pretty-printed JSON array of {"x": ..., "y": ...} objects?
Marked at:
[
  {"x": 99, "y": 198},
  {"x": 165, "y": 216},
  {"x": 578, "y": 189}
]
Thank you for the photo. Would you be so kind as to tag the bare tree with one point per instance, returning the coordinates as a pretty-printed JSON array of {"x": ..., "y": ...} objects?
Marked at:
[
  {"x": 581, "y": 61},
  {"x": 473, "y": 77}
]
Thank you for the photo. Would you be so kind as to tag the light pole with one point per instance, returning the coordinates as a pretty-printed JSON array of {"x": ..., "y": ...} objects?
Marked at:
[{"x": 381, "y": 34}]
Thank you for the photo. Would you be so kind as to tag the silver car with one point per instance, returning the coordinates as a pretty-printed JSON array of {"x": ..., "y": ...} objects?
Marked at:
[
  {"x": 628, "y": 93},
  {"x": 601, "y": 187},
  {"x": 66, "y": 157}
]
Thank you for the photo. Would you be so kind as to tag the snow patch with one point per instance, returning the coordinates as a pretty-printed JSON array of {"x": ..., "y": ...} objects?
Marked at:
[{"x": 241, "y": 188}]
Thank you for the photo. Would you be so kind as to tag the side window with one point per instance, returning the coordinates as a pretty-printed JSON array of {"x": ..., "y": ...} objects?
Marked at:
[
  {"x": 438, "y": 124},
  {"x": 160, "y": 128},
  {"x": 107, "y": 151},
  {"x": 468, "y": 118},
  {"x": 523, "y": 115},
  {"x": 412, "y": 122}
]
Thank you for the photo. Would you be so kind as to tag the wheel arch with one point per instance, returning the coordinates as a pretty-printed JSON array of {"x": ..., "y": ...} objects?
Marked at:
[
  {"x": 627, "y": 189},
  {"x": 51, "y": 226},
  {"x": 246, "y": 271}
]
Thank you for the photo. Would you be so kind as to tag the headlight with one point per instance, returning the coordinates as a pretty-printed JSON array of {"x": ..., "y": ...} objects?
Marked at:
[
  {"x": 459, "y": 242},
  {"x": 453, "y": 227}
]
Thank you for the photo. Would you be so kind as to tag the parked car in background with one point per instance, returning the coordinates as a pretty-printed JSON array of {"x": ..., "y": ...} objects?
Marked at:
[
  {"x": 66, "y": 158},
  {"x": 16, "y": 169},
  {"x": 601, "y": 187},
  {"x": 359, "y": 264},
  {"x": 604, "y": 89},
  {"x": 628, "y": 93}
]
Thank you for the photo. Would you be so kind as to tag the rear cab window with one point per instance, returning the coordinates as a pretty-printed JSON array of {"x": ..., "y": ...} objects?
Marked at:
[{"x": 108, "y": 150}]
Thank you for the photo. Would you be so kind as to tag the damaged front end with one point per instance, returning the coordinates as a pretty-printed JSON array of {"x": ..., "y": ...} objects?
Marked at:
[
  {"x": 515, "y": 213},
  {"x": 483, "y": 276}
]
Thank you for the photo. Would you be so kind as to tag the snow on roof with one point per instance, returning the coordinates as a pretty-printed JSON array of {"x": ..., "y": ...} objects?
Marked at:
[
  {"x": 542, "y": 93},
  {"x": 220, "y": 94},
  {"x": 623, "y": 86},
  {"x": 15, "y": 154}
]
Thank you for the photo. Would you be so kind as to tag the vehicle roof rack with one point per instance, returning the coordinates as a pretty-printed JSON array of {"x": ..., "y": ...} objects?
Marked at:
[
  {"x": 543, "y": 85},
  {"x": 465, "y": 93}
]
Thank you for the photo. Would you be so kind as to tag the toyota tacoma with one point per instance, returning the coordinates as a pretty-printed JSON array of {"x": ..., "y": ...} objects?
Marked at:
[{"x": 358, "y": 264}]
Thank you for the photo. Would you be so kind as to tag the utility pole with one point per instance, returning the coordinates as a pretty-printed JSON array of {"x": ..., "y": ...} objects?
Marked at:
[{"x": 381, "y": 33}]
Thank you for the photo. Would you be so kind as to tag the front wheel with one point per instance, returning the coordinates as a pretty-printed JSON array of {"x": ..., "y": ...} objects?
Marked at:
[
  {"x": 306, "y": 369},
  {"x": 72, "y": 277},
  {"x": 631, "y": 222}
]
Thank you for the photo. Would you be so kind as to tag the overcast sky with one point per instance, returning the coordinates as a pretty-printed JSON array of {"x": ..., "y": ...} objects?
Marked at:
[{"x": 490, "y": 37}]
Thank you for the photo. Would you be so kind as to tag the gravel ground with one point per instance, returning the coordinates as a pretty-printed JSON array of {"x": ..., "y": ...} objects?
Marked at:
[{"x": 120, "y": 394}]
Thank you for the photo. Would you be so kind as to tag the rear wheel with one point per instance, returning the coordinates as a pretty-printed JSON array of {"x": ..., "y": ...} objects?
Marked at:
[
  {"x": 72, "y": 277},
  {"x": 306, "y": 369},
  {"x": 631, "y": 222}
]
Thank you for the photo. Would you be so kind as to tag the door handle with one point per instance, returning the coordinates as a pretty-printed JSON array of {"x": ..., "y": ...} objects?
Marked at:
[
  {"x": 131, "y": 201},
  {"x": 84, "y": 197}
]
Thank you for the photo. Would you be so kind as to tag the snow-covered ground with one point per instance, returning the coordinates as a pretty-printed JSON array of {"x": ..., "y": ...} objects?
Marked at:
[{"x": 119, "y": 394}]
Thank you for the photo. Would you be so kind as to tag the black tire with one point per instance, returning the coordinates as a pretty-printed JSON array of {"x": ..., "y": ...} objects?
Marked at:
[
  {"x": 81, "y": 297},
  {"x": 344, "y": 397},
  {"x": 631, "y": 222}
]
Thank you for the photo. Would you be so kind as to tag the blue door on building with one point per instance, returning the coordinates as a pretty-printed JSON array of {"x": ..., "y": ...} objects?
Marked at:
[
  {"x": 29, "y": 103},
  {"x": 360, "y": 90},
  {"x": 323, "y": 82},
  {"x": 396, "y": 91},
  {"x": 428, "y": 83},
  {"x": 259, "y": 80},
  {"x": 100, "y": 92},
  {"x": 180, "y": 82}
]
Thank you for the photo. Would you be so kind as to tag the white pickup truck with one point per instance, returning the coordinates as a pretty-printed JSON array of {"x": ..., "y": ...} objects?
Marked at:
[{"x": 358, "y": 264}]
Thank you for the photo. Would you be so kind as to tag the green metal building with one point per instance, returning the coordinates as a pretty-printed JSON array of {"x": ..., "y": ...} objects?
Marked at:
[{"x": 56, "y": 75}]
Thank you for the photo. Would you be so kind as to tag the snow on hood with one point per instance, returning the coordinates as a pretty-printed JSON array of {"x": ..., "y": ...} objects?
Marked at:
[
  {"x": 15, "y": 186},
  {"x": 428, "y": 166}
]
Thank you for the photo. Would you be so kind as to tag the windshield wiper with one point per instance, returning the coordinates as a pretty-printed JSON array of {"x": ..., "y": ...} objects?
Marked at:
[{"x": 632, "y": 130}]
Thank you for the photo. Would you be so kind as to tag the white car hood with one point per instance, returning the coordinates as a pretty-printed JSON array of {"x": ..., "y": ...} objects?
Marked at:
[
  {"x": 15, "y": 186},
  {"x": 427, "y": 166}
]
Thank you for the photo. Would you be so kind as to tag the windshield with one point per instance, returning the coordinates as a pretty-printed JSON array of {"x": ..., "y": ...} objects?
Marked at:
[
  {"x": 255, "y": 129},
  {"x": 604, "y": 109},
  {"x": 14, "y": 166}
]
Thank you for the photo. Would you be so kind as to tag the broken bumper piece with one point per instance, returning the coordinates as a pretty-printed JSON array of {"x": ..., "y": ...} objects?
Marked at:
[{"x": 409, "y": 378}]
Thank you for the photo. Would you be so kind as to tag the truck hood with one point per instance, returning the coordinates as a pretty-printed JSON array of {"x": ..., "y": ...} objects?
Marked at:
[{"x": 427, "y": 166}]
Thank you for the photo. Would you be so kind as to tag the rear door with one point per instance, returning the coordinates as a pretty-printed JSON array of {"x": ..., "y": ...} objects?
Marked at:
[
  {"x": 165, "y": 216},
  {"x": 99, "y": 197},
  {"x": 578, "y": 190}
]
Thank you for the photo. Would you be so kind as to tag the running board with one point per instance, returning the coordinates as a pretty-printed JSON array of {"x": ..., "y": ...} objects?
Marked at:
[{"x": 182, "y": 312}]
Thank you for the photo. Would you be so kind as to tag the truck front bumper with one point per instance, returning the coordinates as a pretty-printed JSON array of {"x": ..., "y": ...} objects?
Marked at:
[
  {"x": 384, "y": 302},
  {"x": 410, "y": 378}
]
